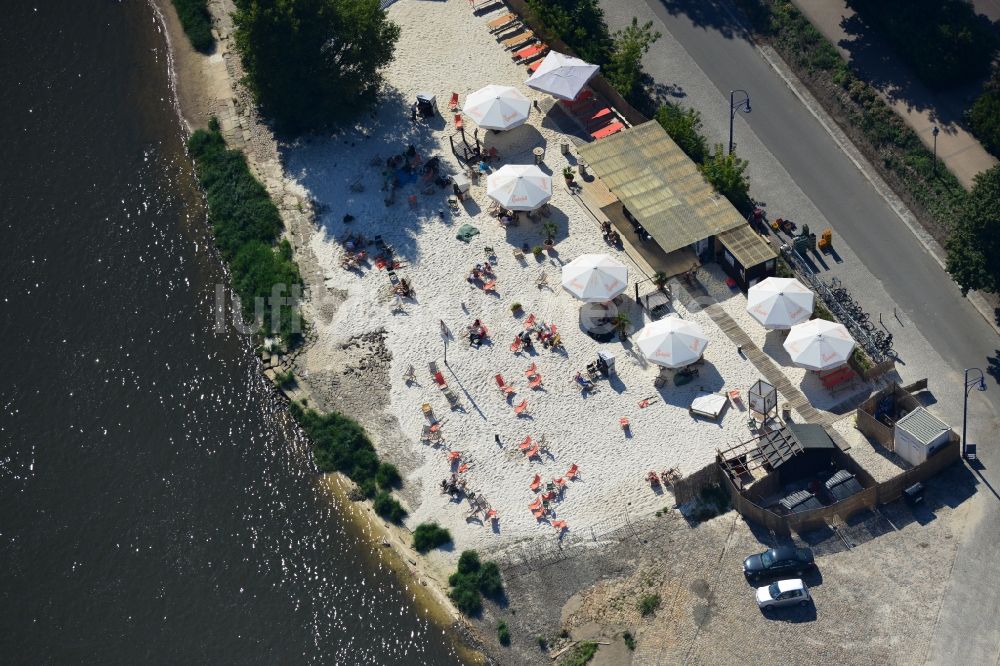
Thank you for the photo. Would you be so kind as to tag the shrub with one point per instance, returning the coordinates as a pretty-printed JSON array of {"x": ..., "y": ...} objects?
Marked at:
[
  {"x": 284, "y": 379},
  {"x": 629, "y": 640},
  {"x": 197, "y": 23},
  {"x": 515, "y": 306},
  {"x": 537, "y": 250},
  {"x": 542, "y": 643},
  {"x": 428, "y": 536},
  {"x": 339, "y": 444},
  {"x": 313, "y": 63},
  {"x": 387, "y": 476},
  {"x": 468, "y": 562},
  {"x": 368, "y": 489},
  {"x": 503, "y": 634},
  {"x": 490, "y": 581},
  {"x": 578, "y": 23},
  {"x": 984, "y": 116},
  {"x": 944, "y": 41},
  {"x": 466, "y": 598},
  {"x": 471, "y": 580},
  {"x": 624, "y": 67},
  {"x": 648, "y": 604},
  {"x": 684, "y": 127},
  {"x": 387, "y": 507},
  {"x": 246, "y": 225},
  {"x": 726, "y": 173},
  {"x": 581, "y": 654}
]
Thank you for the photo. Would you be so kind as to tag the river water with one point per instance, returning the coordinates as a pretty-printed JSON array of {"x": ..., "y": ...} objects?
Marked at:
[{"x": 155, "y": 504}]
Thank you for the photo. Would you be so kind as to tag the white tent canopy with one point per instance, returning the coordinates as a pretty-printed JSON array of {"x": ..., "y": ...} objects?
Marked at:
[
  {"x": 671, "y": 342},
  {"x": 594, "y": 278},
  {"x": 780, "y": 302},
  {"x": 519, "y": 186},
  {"x": 497, "y": 107},
  {"x": 562, "y": 76},
  {"x": 819, "y": 344}
]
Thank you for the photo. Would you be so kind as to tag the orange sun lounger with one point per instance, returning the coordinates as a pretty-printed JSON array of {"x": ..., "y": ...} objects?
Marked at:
[
  {"x": 532, "y": 452},
  {"x": 559, "y": 524},
  {"x": 536, "y": 482},
  {"x": 521, "y": 407},
  {"x": 454, "y": 455},
  {"x": 572, "y": 472},
  {"x": 520, "y": 38},
  {"x": 526, "y": 444},
  {"x": 530, "y": 52},
  {"x": 453, "y": 102},
  {"x": 537, "y": 504},
  {"x": 608, "y": 131},
  {"x": 530, "y": 321},
  {"x": 535, "y": 382},
  {"x": 532, "y": 369},
  {"x": 502, "y": 22},
  {"x": 439, "y": 380},
  {"x": 504, "y": 386},
  {"x": 516, "y": 345}
]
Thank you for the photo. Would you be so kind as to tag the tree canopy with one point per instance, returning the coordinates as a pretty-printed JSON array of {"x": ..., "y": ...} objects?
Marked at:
[
  {"x": 313, "y": 63},
  {"x": 684, "y": 127},
  {"x": 579, "y": 23},
  {"x": 974, "y": 245},
  {"x": 726, "y": 173},
  {"x": 624, "y": 68}
]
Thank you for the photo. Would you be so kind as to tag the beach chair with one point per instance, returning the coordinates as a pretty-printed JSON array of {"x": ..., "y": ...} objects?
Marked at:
[
  {"x": 599, "y": 118},
  {"x": 464, "y": 467},
  {"x": 426, "y": 409},
  {"x": 452, "y": 399},
  {"x": 536, "y": 482},
  {"x": 521, "y": 408},
  {"x": 490, "y": 286},
  {"x": 502, "y": 22},
  {"x": 458, "y": 121},
  {"x": 532, "y": 369},
  {"x": 439, "y": 380},
  {"x": 734, "y": 397},
  {"x": 490, "y": 254},
  {"x": 560, "y": 525},
  {"x": 526, "y": 444},
  {"x": 530, "y": 53},
  {"x": 453, "y": 102},
  {"x": 492, "y": 515},
  {"x": 410, "y": 375},
  {"x": 549, "y": 496},
  {"x": 530, "y": 321},
  {"x": 518, "y": 254},
  {"x": 613, "y": 128},
  {"x": 516, "y": 345},
  {"x": 520, "y": 38},
  {"x": 454, "y": 455},
  {"x": 504, "y": 387},
  {"x": 532, "y": 452},
  {"x": 534, "y": 66},
  {"x": 535, "y": 382},
  {"x": 624, "y": 423},
  {"x": 542, "y": 280},
  {"x": 537, "y": 504},
  {"x": 572, "y": 472},
  {"x": 559, "y": 482}
]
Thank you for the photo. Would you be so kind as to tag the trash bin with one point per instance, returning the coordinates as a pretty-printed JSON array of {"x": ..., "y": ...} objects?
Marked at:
[
  {"x": 539, "y": 154},
  {"x": 786, "y": 412},
  {"x": 426, "y": 104},
  {"x": 564, "y": 148},
  {"x": 914, "y": 494},
  {"x": 608, "y": 361}
]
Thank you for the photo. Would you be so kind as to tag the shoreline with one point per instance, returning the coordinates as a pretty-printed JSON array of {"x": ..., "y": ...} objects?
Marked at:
[{"x": 201, "y": 85}]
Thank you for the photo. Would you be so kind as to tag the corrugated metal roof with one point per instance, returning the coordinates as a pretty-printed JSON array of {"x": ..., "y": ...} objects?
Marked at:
[
  {"x": 800, "y": 501},
  {"x": 842, "y": 485},
  {"x": 748, "y": 248},
  {"x": 660, "y": 186},
  {"x": 923, "y": 425}
]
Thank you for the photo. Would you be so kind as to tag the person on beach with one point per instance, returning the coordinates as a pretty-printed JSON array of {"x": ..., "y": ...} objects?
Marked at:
[{"x": 496, "y": 438}]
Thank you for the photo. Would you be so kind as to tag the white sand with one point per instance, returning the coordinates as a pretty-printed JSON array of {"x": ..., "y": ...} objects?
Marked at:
[{"x": 444, "y": 47}]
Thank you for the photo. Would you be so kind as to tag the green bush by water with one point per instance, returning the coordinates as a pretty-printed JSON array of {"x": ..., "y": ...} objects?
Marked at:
[
  {"x": 428, "y": 536},
  {"x": 581, "y": 654},
  {"x": 472, "y": 580},
  {"x": 197, "y": 23}
]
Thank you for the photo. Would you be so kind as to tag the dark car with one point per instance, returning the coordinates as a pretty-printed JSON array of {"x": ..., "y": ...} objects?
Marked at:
[{"x": 782, "y": 561}]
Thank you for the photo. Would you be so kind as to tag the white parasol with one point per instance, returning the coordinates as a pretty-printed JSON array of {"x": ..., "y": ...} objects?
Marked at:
[
  {"x": 562, "y": 76},
  {"x": 819, "y": 344},
  {"x": 594, "y": 278},
  {"x": 780, "y": 302},
  {"x": 519, "y": 186},
  {"x": 497, "y": 107},
  {"x": 671, "y": 342}
]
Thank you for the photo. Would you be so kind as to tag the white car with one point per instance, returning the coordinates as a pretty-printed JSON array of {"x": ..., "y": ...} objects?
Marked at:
[{"x": 783, "y": 593}]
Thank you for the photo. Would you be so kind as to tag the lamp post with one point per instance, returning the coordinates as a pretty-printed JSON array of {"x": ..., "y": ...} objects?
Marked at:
[
  {"x": 977, "y": 383},
  {"x": 935, "y": 132},
  {"x": 743, "y": 106}
]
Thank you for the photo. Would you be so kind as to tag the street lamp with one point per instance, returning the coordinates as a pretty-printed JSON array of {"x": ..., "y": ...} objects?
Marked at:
[
  {"x": 743, "y": 106},
  {"x": 935, "y": 132},
  {"x": 978, "y": 384}
]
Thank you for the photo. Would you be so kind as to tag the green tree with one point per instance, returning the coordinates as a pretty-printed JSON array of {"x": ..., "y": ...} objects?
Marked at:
[
  {"x": 684, "y": 127},
  {"x": 579, "y": 23},
  {"x": 624, "y": 68},
  {"x": 727, "y": 175},
  {"x": 984, "y": 116},
  {"x": 974, "y": 244},
  {"x": 197, "y": 23},
  {"x": 313, "y": 63},
  {"x": 428, "y": 536}
]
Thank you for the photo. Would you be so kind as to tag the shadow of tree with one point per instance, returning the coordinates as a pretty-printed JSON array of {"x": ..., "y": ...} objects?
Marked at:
[{"x": 718, "y": 15}]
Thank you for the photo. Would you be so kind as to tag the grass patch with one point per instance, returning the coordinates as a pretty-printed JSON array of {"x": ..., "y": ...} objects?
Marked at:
[
  {"x": 246, "y": 225},
  {"x": 197, "y": 23},
  {"x": 284, "y": 379},
  {"x": 648, "y": 604},
  {"x": 428, "y": 536},
  {"x": 472, "y": 580},
  {"x": 580, "y": 654},
  {"x": 388, "y": 507},
  {"x": 629, "y": 640},
  {"x": 503, "y": 634}
]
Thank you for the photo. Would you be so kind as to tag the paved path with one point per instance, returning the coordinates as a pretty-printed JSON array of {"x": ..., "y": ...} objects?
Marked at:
[
  {"x": 802, "y": 173},
  {"x": 920, "y": 108}
]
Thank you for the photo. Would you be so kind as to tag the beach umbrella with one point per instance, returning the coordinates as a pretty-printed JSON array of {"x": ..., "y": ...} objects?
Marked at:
[
  {"x": 497, "y": 107},
  {"x": 594, "y": 278},
  {"x": 819, "y": 344},
  {"x": 780, "y": 302},
  {"x": 519, "y": 186},
  {"x": 561, "y": 76},
  {"x": 671, "y": 342}
]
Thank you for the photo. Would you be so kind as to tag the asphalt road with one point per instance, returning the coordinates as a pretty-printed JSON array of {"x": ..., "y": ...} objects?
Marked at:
[{"x": 712, "y": 37}]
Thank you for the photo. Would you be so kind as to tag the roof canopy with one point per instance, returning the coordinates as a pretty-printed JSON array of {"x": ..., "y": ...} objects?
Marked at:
[{"x": 660, "y": 186}]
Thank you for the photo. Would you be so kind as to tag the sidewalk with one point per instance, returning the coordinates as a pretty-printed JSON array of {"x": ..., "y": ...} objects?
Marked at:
[{"x": 920, "y": 108}]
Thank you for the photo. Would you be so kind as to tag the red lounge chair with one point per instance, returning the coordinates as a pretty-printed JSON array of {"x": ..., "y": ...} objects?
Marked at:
[
  {"x": 463, "y": 467},
  {"x": 572, "y": 472},
  {"x": 526, "y": 444},
  {"x": 533, "y": 66},
  {"x": 453, "y": 102},
  {"x": 530, "y": 321},
  {"x": 439, "y": 380},
  {"x": 490, "y": 286},
  {"x": 536, "y": 482},
  {"x": 537, "y": 504},
  {"x": 644, "y": 403},
  {"x": 521, "y": 408},
  {"x": 560, "y": 525},
  {"x": 734, "y": 397},
  {"x": 584, "y": 96},
  {"x": 599, "y": 117},
  {"x": 458, "y": 121},
  {"x": 532, "y": 369},
  {"x": 516, "y": 345},
  {"x": 559, "y": 481},
  {"x": 624, "y": 423},
  {"x": 608, "y": 131},
  {"x": 549, "y": 496},
  {"x": 535, "y": 382},
  {"x": 532, "y": 452},
  {"x": 538, "y": 513},
  {"x": 504, "y": 386},
  {"x": 529, "y": 52},
  {"x": 454, "y": 455},
  {"x": 492, "y": 515}
]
